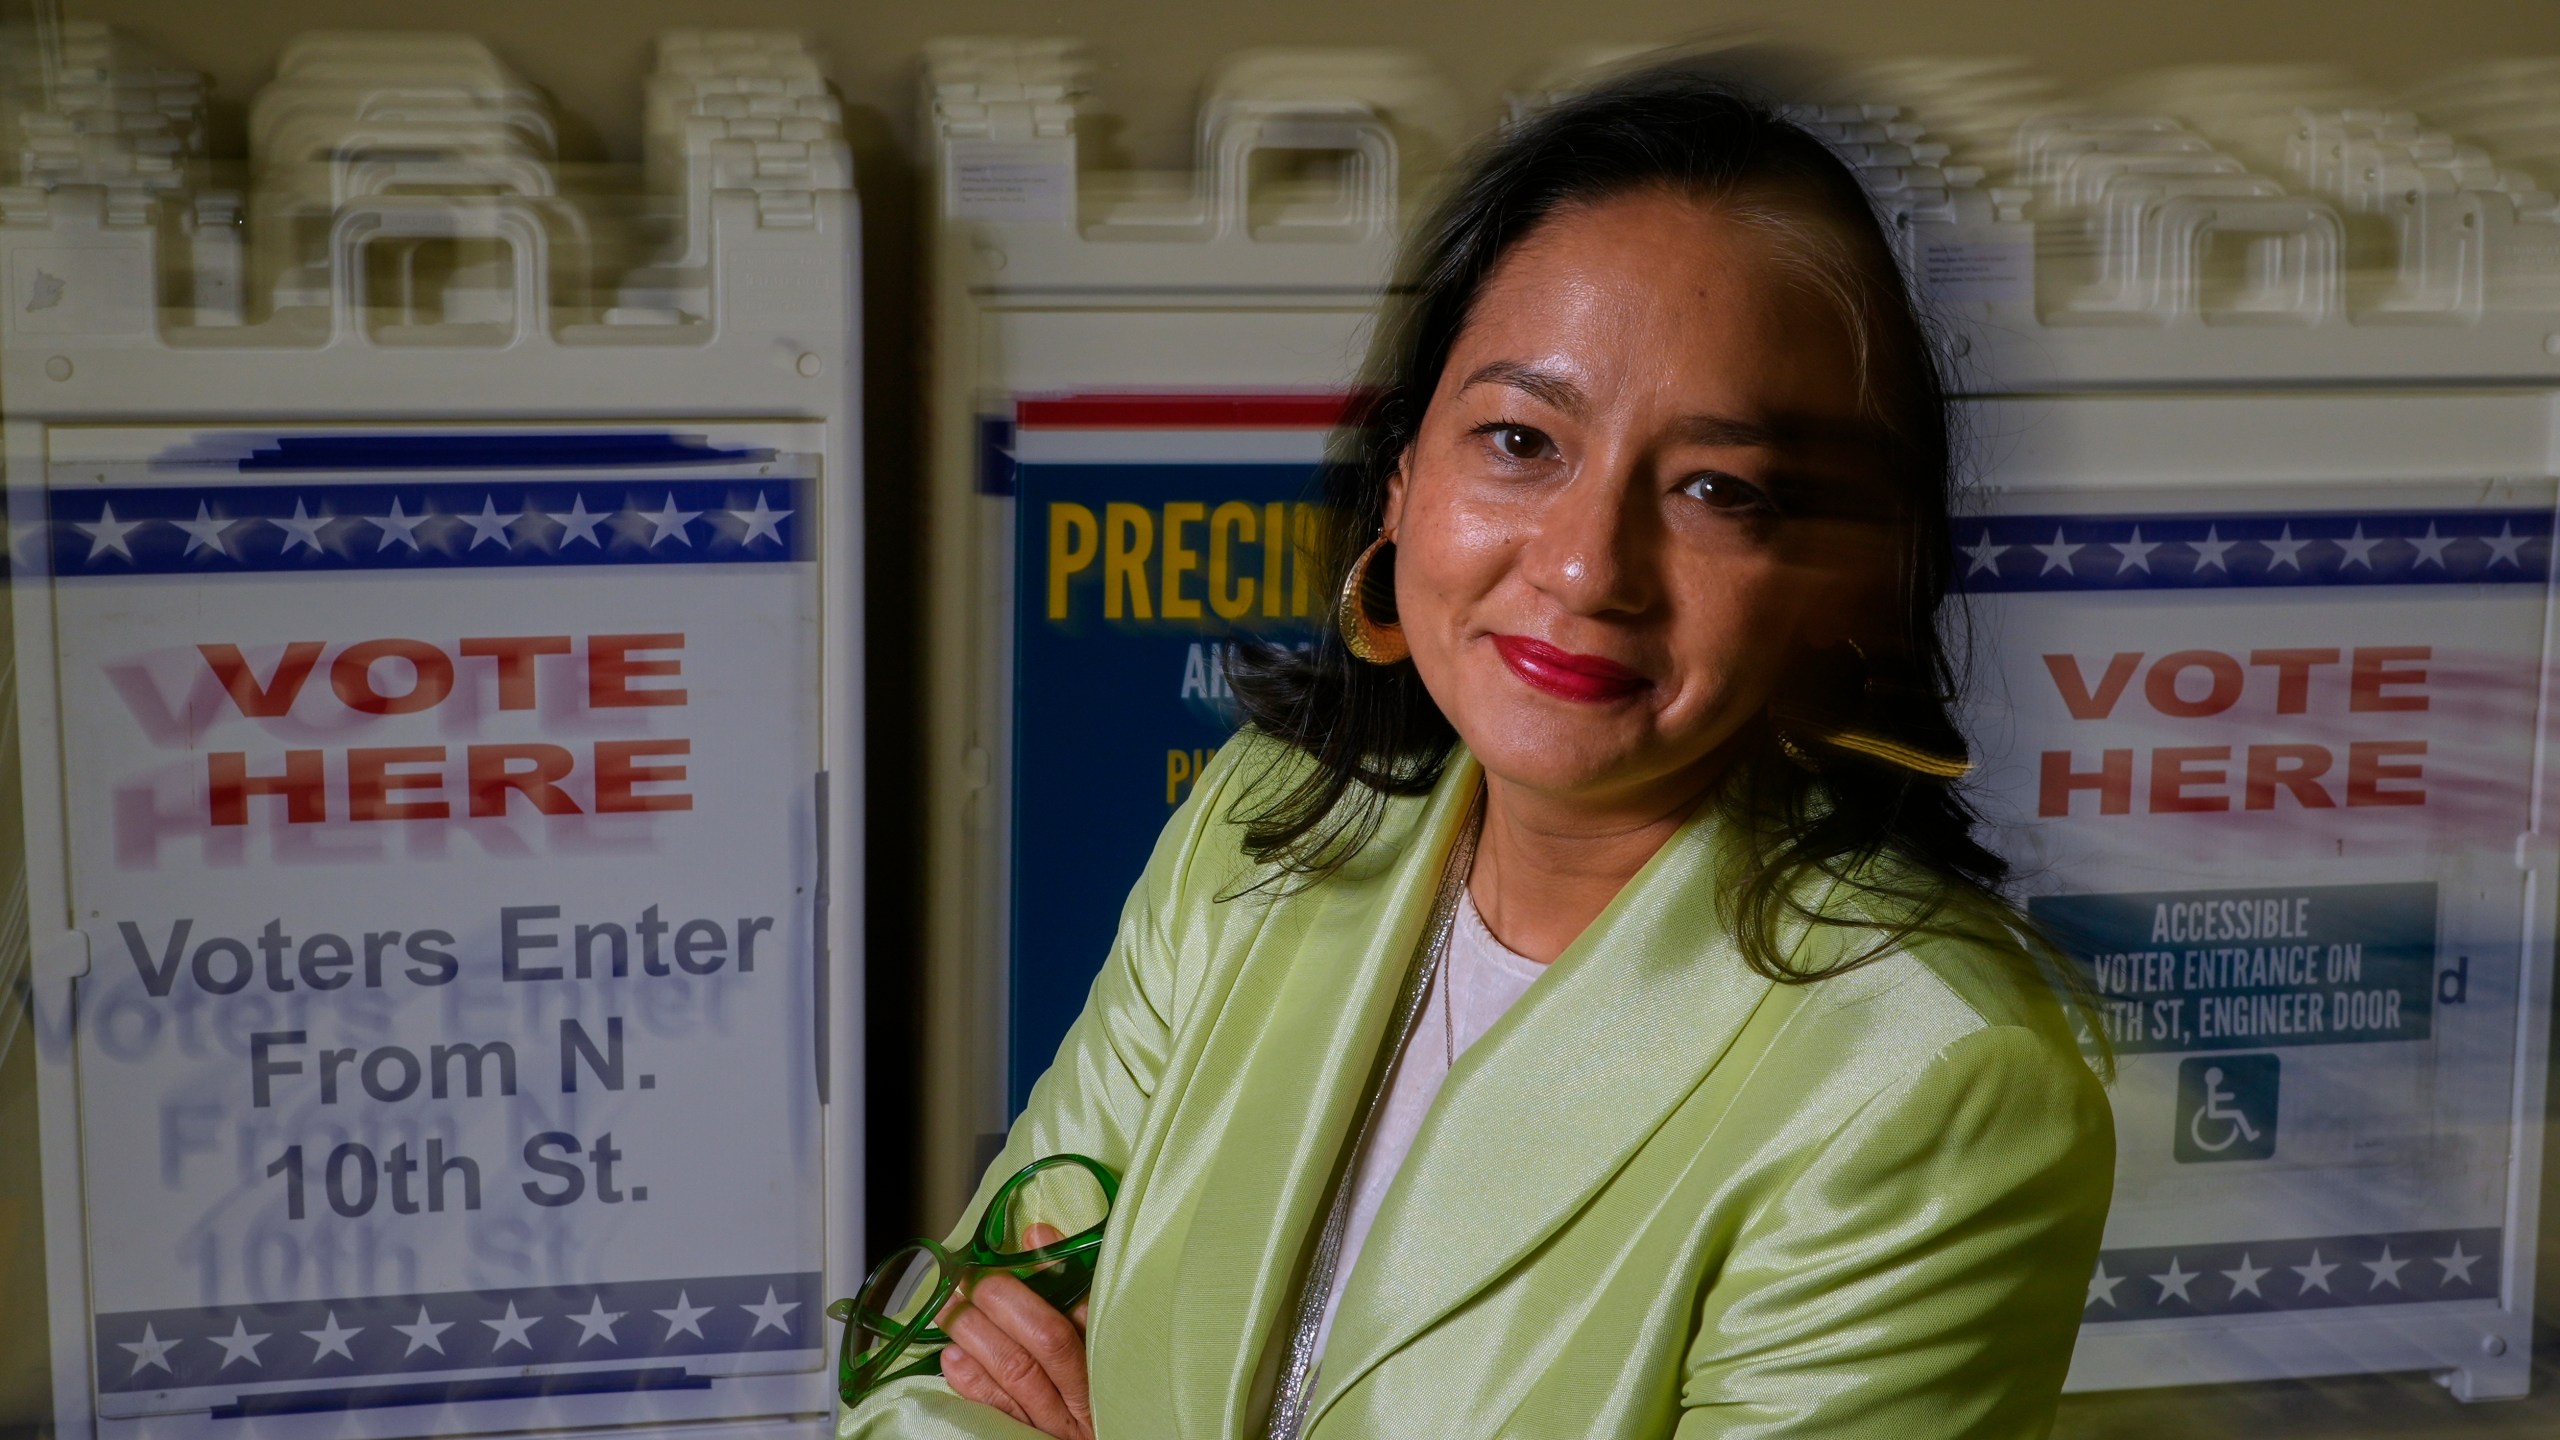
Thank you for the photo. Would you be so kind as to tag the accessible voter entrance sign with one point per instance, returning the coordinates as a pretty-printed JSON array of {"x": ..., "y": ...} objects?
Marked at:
[
  {"x": 444, "y": 824},
  {"x": 1150, "y": 531},
  {"x": 2264, "y": 768}
]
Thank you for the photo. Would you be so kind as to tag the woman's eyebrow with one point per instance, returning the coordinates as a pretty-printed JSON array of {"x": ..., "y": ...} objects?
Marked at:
[
  {"x": 1731, "y": 432},
  {"x": 1774, "y": 432},
  {"x": 1545, "y": 386},
  {"x": 1783, "y": 431}
]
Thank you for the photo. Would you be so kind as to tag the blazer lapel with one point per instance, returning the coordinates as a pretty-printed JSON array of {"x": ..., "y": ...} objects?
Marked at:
[
  {"x": 1552, "y": 1102},
  {"x": 1325, "y": 971}
]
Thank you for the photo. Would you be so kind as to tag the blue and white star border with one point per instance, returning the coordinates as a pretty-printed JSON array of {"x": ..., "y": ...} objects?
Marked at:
[
  {"x": 213, "y": 530},
  {"x": 2327, "y": 1272},
  {"x": 2009, "y": 553},
  {"x": 368, "y": 1338}
]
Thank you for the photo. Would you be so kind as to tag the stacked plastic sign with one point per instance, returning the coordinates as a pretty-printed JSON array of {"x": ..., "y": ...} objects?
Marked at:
[
  {"x": 437, "y": 589},
  {"x": 1156, "y": 531},
  {"x": 1134, "y": 375},
  {"x": 81, "y": 106},
  {"x": 2262, "y": 704}
]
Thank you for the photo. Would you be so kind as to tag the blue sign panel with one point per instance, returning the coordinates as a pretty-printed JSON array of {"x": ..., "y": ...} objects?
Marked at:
[
  {"x": 2010, "y": 553},
  {"x": 2201, "y": 970},
  {"x": 1130, "y": 582},
  {"x": 2227, "y": 1108},
  {"x": 2295, "y": 1273}
]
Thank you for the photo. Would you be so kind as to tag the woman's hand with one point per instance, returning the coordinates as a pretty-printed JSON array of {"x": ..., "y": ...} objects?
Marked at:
[{"x": 1012, "y": 1350}]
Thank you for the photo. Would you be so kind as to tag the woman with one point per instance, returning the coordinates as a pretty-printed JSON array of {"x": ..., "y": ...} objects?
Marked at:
[{"x": 1576, "y": 1005}]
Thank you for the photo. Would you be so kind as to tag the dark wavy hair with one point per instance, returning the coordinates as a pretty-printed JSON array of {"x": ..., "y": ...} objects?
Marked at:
[{"x": 1901, "y": 843}]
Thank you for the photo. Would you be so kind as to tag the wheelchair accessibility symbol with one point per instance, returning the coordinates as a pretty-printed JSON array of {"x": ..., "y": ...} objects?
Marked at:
[{"x": 2227, "y": 1108}]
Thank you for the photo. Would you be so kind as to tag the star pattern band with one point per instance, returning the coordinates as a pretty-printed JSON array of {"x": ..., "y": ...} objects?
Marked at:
[
  {"x": 2004, "y": 553},
  {"x": 2329, "y": 1272},
  {"x": 367, "y": 1337},
  {"x": 212, "y": 530}
]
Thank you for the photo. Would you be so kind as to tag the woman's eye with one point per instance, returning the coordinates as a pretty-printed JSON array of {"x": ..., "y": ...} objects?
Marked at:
[
  {"x": 1729, "y": 493},
  {"x": 1518, "y": 442}
]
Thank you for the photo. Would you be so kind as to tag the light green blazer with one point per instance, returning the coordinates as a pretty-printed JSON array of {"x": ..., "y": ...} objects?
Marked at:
[{"x": 1662, "y": 1196}]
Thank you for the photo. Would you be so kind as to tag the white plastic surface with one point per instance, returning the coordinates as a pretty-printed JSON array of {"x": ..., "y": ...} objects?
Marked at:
[
  {"x": 405, "y": 263},
  {"x": 1236, "y": 278}
]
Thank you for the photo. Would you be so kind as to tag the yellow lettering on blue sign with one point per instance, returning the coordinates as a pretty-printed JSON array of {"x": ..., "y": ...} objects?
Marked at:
[
  {"x": 1072, "y": 539},
  {"x": 1167, "y": 562},
  {"x": 1130, "y": 536},
  {"x": 1233, "y": 521},
  {"x": 1181, "y": 767},
  {"x": 1180, "y": 559}
]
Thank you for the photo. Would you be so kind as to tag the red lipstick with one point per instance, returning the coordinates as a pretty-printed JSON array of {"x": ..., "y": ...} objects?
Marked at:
[{"x": 1591, "y": 679}]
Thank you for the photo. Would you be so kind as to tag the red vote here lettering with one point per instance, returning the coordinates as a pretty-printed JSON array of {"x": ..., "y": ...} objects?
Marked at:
[{"x": 398, "y": 676}]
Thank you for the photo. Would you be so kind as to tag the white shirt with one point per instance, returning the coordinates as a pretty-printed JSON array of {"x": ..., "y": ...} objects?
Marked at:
[{"x": 1485, "y": 979}]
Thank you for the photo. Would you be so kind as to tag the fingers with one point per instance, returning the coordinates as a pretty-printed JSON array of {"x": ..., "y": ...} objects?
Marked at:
[
  {"x": 1032, "y": 1353},
  {"x": 1039, "y": 1235},
  {"x": 970, "y": 1381}
]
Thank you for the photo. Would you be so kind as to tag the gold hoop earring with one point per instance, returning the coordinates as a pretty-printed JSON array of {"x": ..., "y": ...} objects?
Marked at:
[
  {"x": 1796, "y": 754},
  {"x": 1899, "y": 755},
  {"x": 1378, "y": 642},
  {"x": 1800, "y": 746}
]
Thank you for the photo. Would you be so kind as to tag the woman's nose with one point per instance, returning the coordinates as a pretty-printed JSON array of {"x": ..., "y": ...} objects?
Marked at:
[{"x": 1590, "y": 551}]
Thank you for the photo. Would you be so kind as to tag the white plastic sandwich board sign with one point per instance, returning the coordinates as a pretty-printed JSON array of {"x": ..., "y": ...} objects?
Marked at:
[
  {"x": 444, "y": 817},
  {"x": 2269, "y": 765}
]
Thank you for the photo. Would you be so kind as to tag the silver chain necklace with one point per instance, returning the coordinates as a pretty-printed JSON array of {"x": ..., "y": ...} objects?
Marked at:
[
  {"x": 1429, "y": 963},
  {"x": 1447, "y": 972}
]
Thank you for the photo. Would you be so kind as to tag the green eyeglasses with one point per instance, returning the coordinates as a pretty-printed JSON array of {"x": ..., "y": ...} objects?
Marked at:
[{"x": 905, "y": 1292}]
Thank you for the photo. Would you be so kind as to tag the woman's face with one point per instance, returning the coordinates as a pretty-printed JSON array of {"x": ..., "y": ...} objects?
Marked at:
[{"x": 1604, "y": 552}]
